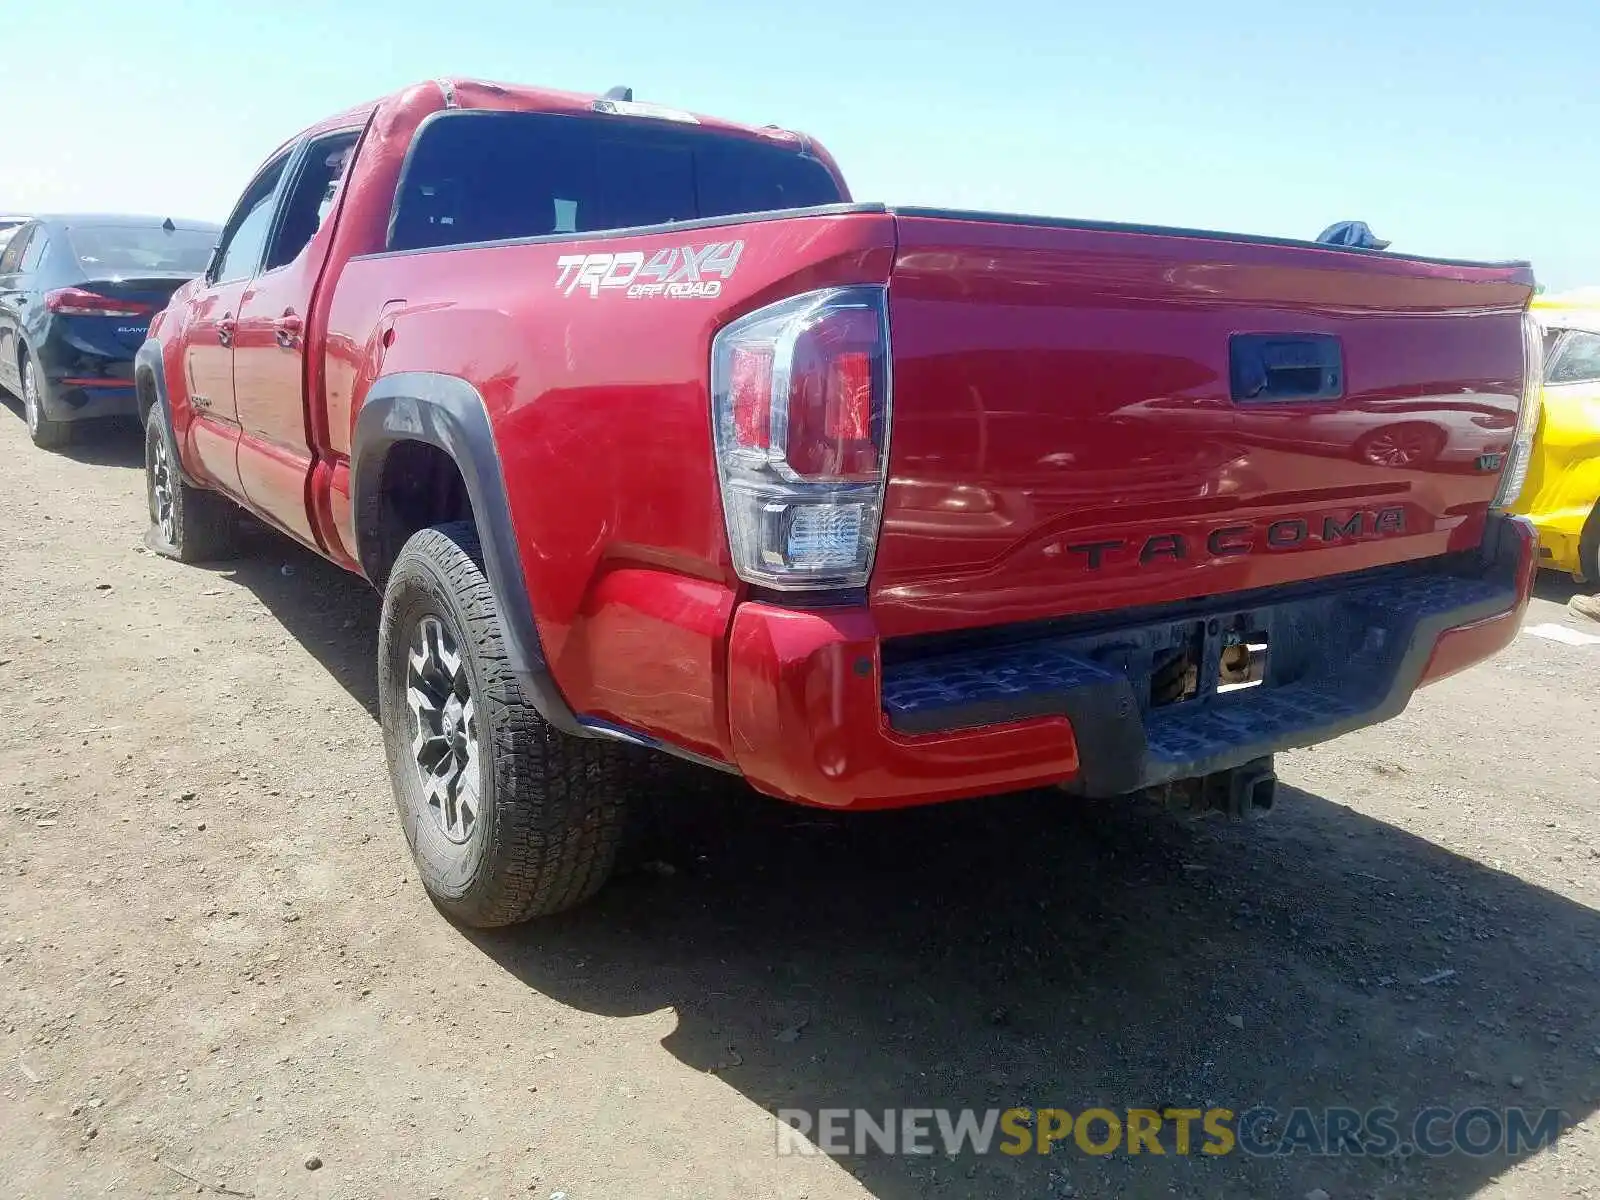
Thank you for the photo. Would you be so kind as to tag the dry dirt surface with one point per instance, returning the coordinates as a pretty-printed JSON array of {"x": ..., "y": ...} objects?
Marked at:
[{"x": 217, "y": 964}]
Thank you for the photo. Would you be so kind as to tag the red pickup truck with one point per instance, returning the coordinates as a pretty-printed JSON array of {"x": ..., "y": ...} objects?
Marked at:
[{"x": 650, "y": 436}]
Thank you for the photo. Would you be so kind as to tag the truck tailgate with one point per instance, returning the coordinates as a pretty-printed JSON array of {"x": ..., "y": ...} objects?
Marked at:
[{"x": 1092, "y": 417}]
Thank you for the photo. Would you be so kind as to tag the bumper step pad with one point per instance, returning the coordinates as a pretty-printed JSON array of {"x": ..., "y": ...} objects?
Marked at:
[{"x": 1337, "y": 661}]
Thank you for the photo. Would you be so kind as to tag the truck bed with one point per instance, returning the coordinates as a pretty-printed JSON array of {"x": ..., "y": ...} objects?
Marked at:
[{"x": 1064, "y": 438}]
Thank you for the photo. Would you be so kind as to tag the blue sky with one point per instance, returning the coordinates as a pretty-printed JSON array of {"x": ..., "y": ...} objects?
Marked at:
[{"x": 1464, "y": 129}]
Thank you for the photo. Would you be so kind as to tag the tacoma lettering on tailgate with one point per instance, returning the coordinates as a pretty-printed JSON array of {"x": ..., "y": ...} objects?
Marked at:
[{"x": 1225, "y": 541}]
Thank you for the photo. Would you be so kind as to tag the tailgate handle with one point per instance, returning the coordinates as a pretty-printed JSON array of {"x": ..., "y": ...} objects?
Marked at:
[{"x": 1264, "y": 367}]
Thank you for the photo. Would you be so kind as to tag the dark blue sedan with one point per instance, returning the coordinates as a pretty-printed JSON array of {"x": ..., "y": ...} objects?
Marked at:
[{"x": 76, "y": 297}]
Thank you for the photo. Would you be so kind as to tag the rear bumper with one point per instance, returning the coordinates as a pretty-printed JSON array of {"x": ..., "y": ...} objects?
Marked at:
[
  {"x": 81, "y": 385},
  {"x": 1560, "y": 549},
  {"x": 1561, "y": 532},
  {"x": 821, "y": 710},
  {"x": 80, "y": 398}
]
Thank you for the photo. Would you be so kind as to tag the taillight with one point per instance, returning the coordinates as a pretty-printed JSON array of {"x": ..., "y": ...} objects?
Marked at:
[
  {"x": 750, "y": 397},
  {"x": 1521, "y": 453},
  {"x": 75, "y": 302},
  {"x": 800, "y": 400}
]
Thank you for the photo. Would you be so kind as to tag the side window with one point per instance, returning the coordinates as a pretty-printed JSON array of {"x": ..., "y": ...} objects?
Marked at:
[
  {"x": 10, "y": 261},
  {"x": 311, "y": 196},
  {"x": 34, "y": 254},
  {"x": 245, "y": 236},
  {"x": 1578, "y": 360},
  {"x": 478, "y": 177}
]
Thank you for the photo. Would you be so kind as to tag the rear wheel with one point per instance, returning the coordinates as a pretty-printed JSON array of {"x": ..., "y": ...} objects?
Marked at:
[
  {"x": 507, "y": 818},
  {"x": 186, "y": 523},
  {"x": 46, "y": 433}
]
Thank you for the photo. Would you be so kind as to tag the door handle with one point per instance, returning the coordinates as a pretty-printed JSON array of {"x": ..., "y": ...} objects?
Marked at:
[
  {"x": 287, "y": 330},
  {"x": 225, "y": 328}
]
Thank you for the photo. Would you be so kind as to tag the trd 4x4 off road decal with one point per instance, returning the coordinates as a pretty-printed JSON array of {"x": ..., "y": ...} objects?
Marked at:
[{"x": 678, "y": 272}]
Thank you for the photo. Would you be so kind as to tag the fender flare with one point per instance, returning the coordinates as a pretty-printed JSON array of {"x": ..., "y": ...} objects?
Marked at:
[
  {"x": 447, "y": 412},
  {"x": 148, "y": 360}
]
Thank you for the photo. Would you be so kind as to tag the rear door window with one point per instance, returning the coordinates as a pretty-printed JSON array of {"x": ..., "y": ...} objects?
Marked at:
[{"x": 477, "y": 177}]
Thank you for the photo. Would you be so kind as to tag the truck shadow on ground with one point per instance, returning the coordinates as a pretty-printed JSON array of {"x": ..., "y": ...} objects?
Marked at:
[
  {"x": 330, "y": 612},
  {"x": 1035, "y": 950}
]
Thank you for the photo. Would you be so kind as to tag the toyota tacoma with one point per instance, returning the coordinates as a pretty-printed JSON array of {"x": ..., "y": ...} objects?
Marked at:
[{"x": 651, "y": 436}]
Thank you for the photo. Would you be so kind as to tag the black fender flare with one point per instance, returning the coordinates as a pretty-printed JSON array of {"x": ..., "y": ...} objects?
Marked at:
[
  {"x": 447, "y": 412},
  {"x": 148, "y": 360}
]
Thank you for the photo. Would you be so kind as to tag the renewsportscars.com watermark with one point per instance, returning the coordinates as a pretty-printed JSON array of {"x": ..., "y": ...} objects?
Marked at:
[{"x": 1260, "y": 1132}]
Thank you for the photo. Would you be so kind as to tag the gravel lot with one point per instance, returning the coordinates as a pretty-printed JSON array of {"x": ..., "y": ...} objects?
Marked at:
[{"x": 217, "y": 964}]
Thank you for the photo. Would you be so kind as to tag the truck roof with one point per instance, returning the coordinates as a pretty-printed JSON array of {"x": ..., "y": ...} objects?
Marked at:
[{"x": 517, "y": 97}]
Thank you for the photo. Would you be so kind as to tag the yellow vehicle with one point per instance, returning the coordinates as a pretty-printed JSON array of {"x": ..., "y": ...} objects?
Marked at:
[{"x": 1562, "y": 492}]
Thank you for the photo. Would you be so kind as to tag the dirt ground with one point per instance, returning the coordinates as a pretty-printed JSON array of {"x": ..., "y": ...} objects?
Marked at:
[{"x": 217, "y": 963}]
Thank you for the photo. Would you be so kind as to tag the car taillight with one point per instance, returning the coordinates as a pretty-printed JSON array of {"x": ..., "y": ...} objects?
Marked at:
[
  {"x": 750, "y": 397},
  {"x": 75, "y": 302},
  {"x": 1521, "y": 453},
  {"x": 800, "y": 407}
]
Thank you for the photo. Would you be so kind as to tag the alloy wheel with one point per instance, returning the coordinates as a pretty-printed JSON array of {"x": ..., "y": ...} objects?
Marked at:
[
  {"x": 31, "y": 406},
  {"x": 444, "y": 729},
  {"x": 162, "y": 510}
]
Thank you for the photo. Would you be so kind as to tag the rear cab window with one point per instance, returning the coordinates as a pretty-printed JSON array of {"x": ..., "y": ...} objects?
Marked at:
[
  {"x": 140, "y": 248},
  {"x": 486, "y": 176}
]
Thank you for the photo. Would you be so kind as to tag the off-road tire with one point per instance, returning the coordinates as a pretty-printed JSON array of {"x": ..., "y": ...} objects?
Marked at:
[
  {"x": 202, "y": 526},
  {"x": 44, "y": 432},
  {"x": 550, "y": 806}
]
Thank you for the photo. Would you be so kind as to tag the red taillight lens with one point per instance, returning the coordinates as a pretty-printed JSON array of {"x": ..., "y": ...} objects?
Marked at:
[
  {"x": 849, "y": 416},
  {"x": 831, "y": 384},
  {"x": 75, "y": 302},
  {"x": 750, "y": 396}
]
